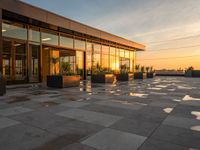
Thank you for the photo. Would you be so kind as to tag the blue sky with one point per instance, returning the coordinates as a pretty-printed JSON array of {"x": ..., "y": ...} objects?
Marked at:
[{"x": 145, "y": 21}]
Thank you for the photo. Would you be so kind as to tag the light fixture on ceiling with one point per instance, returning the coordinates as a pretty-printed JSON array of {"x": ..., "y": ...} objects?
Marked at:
[
  {"x": 4, "y": 30},
  {"x": 17, "y": 45},
  {"x": 46, "y": 39}
]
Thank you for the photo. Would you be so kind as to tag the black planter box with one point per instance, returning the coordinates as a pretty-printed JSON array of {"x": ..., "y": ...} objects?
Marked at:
[
  {"x": 2, "y": 86},
  {"x": 124, "y": 77},
  {"x": 140, "y": 75},
  {"x": 192, "y": 73},
  {"x": 103, "y": 78},
  {"x": 58, "y": 81},
  {"x": 151, "y": 74}
]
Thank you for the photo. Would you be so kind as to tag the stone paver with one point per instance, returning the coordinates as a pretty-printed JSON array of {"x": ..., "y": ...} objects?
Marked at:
[
  {"x": 6, "y": 122},
  {"x": 152, "y": 114},
  {"x": 14, "y": 111},
  {"x": 109, "y": 139},
  {"x": 91, "y": 117},
  {"x": 182, "y": 122}
]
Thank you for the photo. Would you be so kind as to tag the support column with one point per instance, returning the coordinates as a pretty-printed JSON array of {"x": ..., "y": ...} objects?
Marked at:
[{"x": 1, "y": 44}]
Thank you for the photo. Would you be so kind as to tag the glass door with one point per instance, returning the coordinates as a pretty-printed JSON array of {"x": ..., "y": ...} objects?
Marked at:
[
  {"x": 34, "y": 57},
  {"x": 7, "y": 59},
  {"x": 20, "y": 71}
]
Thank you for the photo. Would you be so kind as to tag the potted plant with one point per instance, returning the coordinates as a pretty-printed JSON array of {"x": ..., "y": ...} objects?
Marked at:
[
  {"x": 66, "y": 79},
  {"x": 124, "y": 75},
  {"x": 102, "y": 75},
  {"x": 140, "y": 73},
  {"x": 2, "y": 85},
  {"x": 150, "y": 72}
]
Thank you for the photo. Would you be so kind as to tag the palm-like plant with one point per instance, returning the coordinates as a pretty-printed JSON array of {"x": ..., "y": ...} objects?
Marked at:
[
  {"x": 54, "y": 61},
  {"x": 142, "y": 69},
  {"x": 66, "y": 67},
  {"x": 137, "y": 68},
  {"x": 147, "y": 69},
  {"x": 151, "y": 69}
]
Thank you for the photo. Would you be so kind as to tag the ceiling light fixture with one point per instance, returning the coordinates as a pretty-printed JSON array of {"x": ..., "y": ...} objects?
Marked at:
[{"x": 46, "y": 39}]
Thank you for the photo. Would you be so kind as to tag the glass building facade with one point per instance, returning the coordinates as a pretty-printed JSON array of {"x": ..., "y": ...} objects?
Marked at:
[
  {"x": 25, "y": 47},
  {"x": 28, "y": 47}
]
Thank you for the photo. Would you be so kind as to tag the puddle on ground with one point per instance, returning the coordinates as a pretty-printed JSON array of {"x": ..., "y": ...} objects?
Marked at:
[
  {"x": 16, "y": 99},
  {"x": 168, "y": 110},
  {"x": 189, "y": 98},
  {"x": 196, "y": 114},
  {"x": 171, "y": 90},
  {"x": 195, "y": 128},
  {"x": 185, "y": 87},
  {"x": 155, "y": 88},
  {"x": 48, "y": 103},
  {"x": 84, "y": 99},
  {"x": 138, "y": 95},
  {"x": 161, "y": 86}
]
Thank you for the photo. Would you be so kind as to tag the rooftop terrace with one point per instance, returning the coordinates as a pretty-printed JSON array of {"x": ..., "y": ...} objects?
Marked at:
[{"x": 159, "y": 113}]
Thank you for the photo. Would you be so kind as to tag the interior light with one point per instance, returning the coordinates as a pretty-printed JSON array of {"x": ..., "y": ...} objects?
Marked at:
[
  {"x": 17, "y": 45},
  {"x": 3, "y": 30},
  {"x": 46, "y": 39}
]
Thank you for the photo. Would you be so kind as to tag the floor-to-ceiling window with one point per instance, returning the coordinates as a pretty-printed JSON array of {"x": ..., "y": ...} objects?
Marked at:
[
  {"x": 112, "y": 58},
  {"x": 34, "y": 54},
  {"x": 7, "y": 59},
  {"x": 14, "y": 52},
  {"x": 89, "y": 58},
  {"x": 96, "y": 55},
  {"x": 105, "y": 57}
]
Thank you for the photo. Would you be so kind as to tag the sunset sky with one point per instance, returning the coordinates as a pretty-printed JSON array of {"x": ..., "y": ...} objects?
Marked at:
[{"x": 170, "y": 29}]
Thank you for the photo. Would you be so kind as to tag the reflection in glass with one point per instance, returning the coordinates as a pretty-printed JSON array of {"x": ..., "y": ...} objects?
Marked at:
[
  {"x": 14, "y": 30},
  {"x": 34, "y": 62},
  {"x": 79, "y": 62},
  {"x": 112, "y": 58},
  {"x": 34, "y": 35},
  {"x": 96, "y": 54},
  {"x": 49, "y": 38},
  {"x": 20, "y": 61},
  {"x": 89, "y": 58},
  {"x": 66, "y": 42},
  {"x": 105, "y": 57},
  {"x": 117, "y": 59},
  {"x": 80, "y": 45},
  {"x": 131, "y": 61},
  {"x": 7, "y": 59}
]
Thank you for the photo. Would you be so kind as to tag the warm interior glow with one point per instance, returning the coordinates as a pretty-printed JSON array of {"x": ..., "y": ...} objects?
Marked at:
[
  {"x": 3, "y": 30},
  {"x": 46, "y": 39}
]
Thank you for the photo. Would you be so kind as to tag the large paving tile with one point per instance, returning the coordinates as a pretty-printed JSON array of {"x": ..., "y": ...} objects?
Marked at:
[
  {"x": 78, "y": 146},
  {"x": 151, "y": 144},
  {"x": 6, "y": 122},
  {"x": 14, "y": 111},
  {"x": 75, "y": 127},
  {"x": 163, "y": 104},
  {"x": 176, "y": 135},
  {"x": 121, "y": 104},
  {"x": 109, "y": 139},
  {"x": 139, "y": 127},
  {"x": 187, "y": 111},
  {"x": 90, "y": 117},
  {"x": 109, "y": 110},
  {"x": 23, "y": 137},
  {"x": 75, "y": 104},
  {"x": 182, "y": 122},
  {"x": 41, "y": 119}
]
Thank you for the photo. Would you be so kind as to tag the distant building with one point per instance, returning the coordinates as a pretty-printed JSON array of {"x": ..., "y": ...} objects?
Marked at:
[{"x": 31, "y": 36}]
